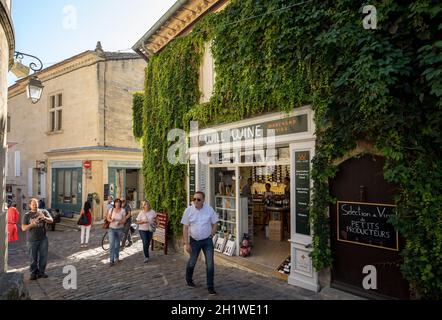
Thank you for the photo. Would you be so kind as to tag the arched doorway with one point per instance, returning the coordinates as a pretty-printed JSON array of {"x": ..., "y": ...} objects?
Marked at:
[{"x": 361, "y": 235}]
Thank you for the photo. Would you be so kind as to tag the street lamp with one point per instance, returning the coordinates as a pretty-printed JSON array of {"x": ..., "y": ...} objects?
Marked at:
[{"x": 34, "y": 89}]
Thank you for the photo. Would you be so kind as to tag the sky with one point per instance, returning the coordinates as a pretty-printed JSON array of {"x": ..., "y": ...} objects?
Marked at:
[{"x": 54, "y": 30}]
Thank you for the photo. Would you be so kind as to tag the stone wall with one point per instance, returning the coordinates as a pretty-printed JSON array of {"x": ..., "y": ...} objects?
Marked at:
[{"x": 122, "y": 78}]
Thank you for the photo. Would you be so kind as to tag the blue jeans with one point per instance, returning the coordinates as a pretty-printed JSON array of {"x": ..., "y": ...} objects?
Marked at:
[
  {"x": 146, "y": 237},
  {"x": 38, "y": 255},
  {"x": 207, "y": 247},
  {"x": 114, "y": 244}
]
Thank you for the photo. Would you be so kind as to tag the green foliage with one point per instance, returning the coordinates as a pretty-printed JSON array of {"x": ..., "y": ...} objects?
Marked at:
[
  {"x": 383, "y": 86},
  {"x": 137, "y": 112},
  {"x": 171, "y": 88}
]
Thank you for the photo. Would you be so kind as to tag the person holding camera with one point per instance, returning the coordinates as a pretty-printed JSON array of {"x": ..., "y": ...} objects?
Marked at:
[{"x": 34, "y": 224}]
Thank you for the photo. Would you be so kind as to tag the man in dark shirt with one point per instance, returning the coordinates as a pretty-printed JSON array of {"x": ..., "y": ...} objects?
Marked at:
[{"x": 34, "y": 222}]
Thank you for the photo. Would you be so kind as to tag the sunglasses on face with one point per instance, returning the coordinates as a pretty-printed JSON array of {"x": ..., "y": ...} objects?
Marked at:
[{"x": 197, "y": 199}]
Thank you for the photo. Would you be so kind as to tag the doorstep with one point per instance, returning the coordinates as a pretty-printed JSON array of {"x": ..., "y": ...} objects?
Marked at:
[{"x": 246, "y": 265}]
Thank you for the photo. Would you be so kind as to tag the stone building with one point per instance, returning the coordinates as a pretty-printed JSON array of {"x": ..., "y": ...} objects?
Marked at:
[
  {"x": 7, "y": 47},
  {"x": 76, "y": 143}
]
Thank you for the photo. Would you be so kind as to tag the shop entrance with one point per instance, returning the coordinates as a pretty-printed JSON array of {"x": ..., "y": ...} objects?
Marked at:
[
  {"x": 268, "y": 191},
  {"x": 259, "y": 214},
  {"x": 360, "y": 233},
  {"x": 125, "y": 183}
]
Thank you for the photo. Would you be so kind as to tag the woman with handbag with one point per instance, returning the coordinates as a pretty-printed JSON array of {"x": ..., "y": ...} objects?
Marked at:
[
  {"x": 85, "y": 223},
  {"x": 117, "y": 217},
  {"x": 146, "y": 226}
]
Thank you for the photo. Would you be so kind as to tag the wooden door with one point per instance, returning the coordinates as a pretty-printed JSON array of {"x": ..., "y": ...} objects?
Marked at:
[{"x": 360, "y": 232}]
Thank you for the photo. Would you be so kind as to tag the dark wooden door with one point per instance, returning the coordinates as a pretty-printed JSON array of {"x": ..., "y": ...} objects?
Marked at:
[{"x": 361, "y": 181}]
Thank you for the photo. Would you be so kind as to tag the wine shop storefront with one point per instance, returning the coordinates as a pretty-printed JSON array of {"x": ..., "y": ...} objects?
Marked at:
[{"x": 256, "y": 175}]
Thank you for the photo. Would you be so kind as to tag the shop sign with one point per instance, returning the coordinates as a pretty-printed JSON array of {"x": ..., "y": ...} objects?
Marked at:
[
  {"x": 302, "y": 192},
  {"x": 285, "y": 126},
  {"x": 367, "y": 224}
]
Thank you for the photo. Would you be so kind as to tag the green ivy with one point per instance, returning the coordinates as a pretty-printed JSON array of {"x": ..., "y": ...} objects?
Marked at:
[
  {"x": 382, "y": 86},
  {"x": 137, "y": 113}
]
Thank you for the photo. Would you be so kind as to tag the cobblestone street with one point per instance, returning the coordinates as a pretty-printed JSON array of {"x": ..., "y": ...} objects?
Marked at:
[{"x": 162, "y": 278}]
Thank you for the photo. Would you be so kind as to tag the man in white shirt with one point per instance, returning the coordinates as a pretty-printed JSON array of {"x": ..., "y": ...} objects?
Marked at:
[{"x": 200, "y": 224}]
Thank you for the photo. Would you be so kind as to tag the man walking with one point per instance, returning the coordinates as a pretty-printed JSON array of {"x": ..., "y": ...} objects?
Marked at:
[
  {"x": 34, "y": 223},
  {"x": 200, "y": 224}
]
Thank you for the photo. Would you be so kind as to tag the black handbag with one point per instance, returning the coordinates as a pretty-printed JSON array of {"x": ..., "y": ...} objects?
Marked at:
[{"x": 83, "y": 221}]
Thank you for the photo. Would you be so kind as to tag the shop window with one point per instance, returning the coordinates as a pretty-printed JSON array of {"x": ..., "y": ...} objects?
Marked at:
[{"x": 56, "y": 113}]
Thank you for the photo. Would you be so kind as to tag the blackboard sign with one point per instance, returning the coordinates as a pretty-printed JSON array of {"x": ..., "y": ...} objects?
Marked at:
[
  {"x": 367, "y": 224},
  {"x": 302, "y": 191},
  {"x": 160, "y": 234},
  {"x": 192, "y": 181}
]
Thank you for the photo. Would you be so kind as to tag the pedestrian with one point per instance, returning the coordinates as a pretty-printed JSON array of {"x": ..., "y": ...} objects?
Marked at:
[
  {"x": 86, "y": 229},
  {"x": 145, "y": 220},
  {"x": 110, "y": 203},
  {"x": 125, "y": 205},
  {"x": 13, "y": 218},
  {"x": 200, "y": 225},
  {"x": 117, "y": 217},
  {"x": 34, "y": 223}
]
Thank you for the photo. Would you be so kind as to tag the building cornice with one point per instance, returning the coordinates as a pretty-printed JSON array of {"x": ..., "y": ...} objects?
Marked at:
[
  {"x": 84, "y": 59},
  {"x": 8, "y": 27},
  {"x": 92, "y": 149},
  {"x": 175, "y": 22}
]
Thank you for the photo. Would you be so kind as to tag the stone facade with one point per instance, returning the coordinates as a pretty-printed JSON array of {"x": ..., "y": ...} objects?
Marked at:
[
  {"x": 7, "y": 46},
  {"x": 96, "y": 125}
]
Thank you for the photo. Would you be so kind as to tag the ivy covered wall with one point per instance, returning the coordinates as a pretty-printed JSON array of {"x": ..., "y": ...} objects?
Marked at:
[{"x": 380, "y": 86}]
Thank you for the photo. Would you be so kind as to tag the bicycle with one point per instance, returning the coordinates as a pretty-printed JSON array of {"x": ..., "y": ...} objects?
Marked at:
[{"x": 129, "y": 240}]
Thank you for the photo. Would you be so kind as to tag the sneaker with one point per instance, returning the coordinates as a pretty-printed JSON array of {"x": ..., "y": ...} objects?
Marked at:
[
  {"x": 43, "y": 275},
  {"x": 146, "y": 260},
  {"x": 33, "y": 277},
  {"x": 111, "y": 264},
  {"x": 191, "y": 284},
  {"x": 212, "y": 291}
]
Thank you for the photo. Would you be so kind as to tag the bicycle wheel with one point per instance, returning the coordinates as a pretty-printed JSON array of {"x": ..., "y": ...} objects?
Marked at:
[{"x": 105, "y": 242}]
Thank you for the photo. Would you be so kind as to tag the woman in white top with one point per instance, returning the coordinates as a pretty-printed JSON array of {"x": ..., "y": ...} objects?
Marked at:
[
  {"x": 117, "y": 217},
  {"x": 145, "y": 220}
]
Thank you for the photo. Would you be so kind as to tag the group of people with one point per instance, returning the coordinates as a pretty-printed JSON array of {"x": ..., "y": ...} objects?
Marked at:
[
  {"x": 119, "y": 217},
  {"x": 199, "y": 221}
]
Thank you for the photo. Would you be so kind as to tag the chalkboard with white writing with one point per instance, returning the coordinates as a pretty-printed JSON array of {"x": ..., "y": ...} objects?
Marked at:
[{"x": 367, "y": 224}]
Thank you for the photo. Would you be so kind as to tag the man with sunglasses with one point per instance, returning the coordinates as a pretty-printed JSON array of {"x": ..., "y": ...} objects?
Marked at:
[{"x": 200, "y": 225}]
